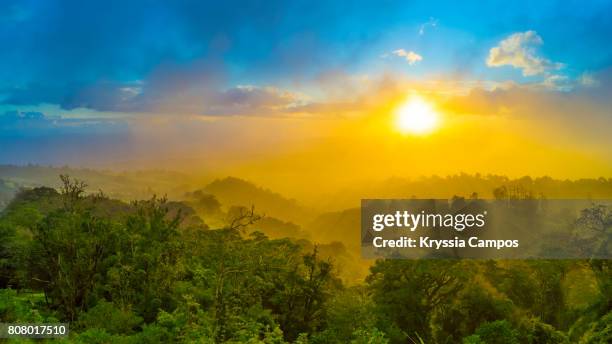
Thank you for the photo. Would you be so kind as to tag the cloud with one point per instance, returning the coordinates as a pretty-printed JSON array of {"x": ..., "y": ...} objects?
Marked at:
[
  {"x": 432, "y": 22},
  {"x": 558, "y": 82},
  {"x": 254, "y": 100},
  {"x": 563, "y": 83},
  {"x": 100, "y": 95},
  {"x": 410, "y": 56},
  {"x": 32, "y": 136},
  {"x": 519, "y": 51},
  {"x": 78, "y": 53},
  {"x": 534, "y": 100},
  {"x": 170, "y": 87},
  {"x": 15, "y": 119},
  {"x": 195, "y": 88},
  {"x": 103, "y": 96},
  {"x": 36, "y": 124},
  {"x": 588, "y": 80}
]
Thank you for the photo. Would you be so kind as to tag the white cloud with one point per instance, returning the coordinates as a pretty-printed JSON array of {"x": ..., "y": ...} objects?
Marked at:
[
  {"x": 588, "y": 80},
  {"x": 558, "y": 82},
  {"x": 432, "y": 22},
  {"x": 410, "y": 56},
  {"x": 519, "y": 51}
]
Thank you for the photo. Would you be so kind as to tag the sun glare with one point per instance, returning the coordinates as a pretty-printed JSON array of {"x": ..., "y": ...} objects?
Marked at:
[{"x": 416, "y": 116}]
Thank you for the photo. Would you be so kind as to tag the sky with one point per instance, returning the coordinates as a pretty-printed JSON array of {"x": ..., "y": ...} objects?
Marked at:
[{"x": 254, "y": 86}]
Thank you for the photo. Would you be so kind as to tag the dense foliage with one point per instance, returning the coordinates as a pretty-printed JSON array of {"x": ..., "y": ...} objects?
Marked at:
[{"x": 147, "y": 272}]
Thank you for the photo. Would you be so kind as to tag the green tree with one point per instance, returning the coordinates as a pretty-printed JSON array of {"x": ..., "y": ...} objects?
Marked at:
[
  {"x": 496, "y": 332},
  {"x": 408, "y": 292},
  {"x": 70, "y": 251},
  {"x": 148, "y": 262}
]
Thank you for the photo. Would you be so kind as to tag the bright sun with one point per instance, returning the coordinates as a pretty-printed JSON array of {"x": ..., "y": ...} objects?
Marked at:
[{"x": 416, "y": 116}]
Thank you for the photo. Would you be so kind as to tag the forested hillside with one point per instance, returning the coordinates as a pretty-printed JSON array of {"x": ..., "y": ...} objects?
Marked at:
[
  {"x": 152, "y": 271},
  {"x": 125, "y": 185}
]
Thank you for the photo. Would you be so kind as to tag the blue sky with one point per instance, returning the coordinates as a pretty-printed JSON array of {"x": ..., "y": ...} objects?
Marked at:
[{"x": 108, "y": 60}]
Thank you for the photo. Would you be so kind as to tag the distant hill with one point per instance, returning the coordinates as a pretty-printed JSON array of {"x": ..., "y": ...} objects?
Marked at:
[
  {"x": 343, "y": 226},
  {"x": 232, "y": 191},
  {"x": 130, "y": 185},
  {"x": 465, "y": 185}
]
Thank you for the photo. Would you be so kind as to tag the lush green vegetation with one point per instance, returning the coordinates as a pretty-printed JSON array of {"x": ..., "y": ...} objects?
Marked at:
[{"x": 152, "y": 271}]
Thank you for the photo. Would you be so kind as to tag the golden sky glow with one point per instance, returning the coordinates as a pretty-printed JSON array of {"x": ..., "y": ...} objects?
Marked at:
[
  {"x": 385, "y": 91},
  {"x": 513, "y": 132},
  {"x": 370, "y": 128}
]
